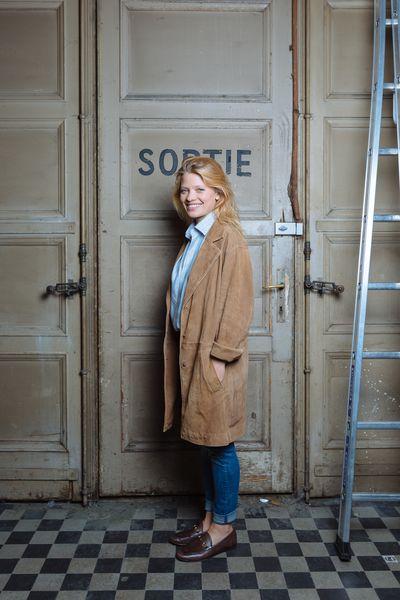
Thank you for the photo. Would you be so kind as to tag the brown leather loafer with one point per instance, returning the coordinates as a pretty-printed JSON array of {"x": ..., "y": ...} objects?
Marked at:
[
  {"x": 202, "y": 547},
  {"x": 182, "y": 538}
]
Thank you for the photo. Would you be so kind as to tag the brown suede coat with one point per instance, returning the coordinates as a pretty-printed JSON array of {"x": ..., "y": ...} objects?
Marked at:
[{"x": 216, "y": 314}]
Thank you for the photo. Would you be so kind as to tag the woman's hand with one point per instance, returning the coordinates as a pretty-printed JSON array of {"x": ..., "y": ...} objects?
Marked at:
[{"x": 219, "y": 366}]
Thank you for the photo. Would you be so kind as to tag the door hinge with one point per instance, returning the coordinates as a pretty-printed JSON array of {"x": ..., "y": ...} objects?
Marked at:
[
  {"x": 82, "y": 253},
  {"x": 307, "y": 250}
]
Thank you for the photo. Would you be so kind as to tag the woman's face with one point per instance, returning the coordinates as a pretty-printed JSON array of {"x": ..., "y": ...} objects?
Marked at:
[{"x": 197, "y": 198}]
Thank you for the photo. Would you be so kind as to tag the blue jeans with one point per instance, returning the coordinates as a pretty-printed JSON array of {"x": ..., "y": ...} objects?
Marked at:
[{"x": 221, "y": 474}]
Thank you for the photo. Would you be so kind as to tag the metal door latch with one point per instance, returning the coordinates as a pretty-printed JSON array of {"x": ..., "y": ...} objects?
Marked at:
[
  {"x": 68, "y": 289},
  {"x": 322, "y": 287}
]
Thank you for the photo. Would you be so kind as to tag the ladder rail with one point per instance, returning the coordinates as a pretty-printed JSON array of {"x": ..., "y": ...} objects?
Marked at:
[
  {"x": 363, "y": 267},
  {"x": 364, "y": 259},
  {"x": 395, "y": 7}
]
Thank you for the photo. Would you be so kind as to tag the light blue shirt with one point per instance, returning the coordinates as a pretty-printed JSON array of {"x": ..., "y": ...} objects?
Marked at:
[{"x": 196, "y": 233}]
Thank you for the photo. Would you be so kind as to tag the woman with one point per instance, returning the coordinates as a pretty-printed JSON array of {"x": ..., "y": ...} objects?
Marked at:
[{"x": 209, "y": 309}]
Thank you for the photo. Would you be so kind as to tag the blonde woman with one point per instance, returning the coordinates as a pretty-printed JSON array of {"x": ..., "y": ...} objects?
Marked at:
[{"x": 209, "y": 309}]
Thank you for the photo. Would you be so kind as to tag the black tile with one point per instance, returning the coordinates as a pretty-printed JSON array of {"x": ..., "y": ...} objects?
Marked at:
[
  {"x": 7, "y": 565},
  {"x": 325, "y": 523},
  {"x": 267, "y": 563},
  {"x": 397, "y": 575},
  {"x": 288, "y": 549},
  {"x": 274, "y": 595},
  {"x": 254, "y": 512},
  {"x": 161, "y": 537},
  {"x": 97, "y": 595},
  {"x": 34, "y": 513},
  {"x": 388, "y": 547},
  {"x": 333, "y": 594},
  {"x": 50, "y": 525},
  {"x": 240, "y": 550},
  {"x": 396, "y": 533},
  {"x": 166, "y": 513},
  {"x": 335, "y": 511},
  {"x": 132, "y": 581},
  {"x": 68, "y": 537},
  {"x": 36, "y": 551},
  {"x": 20, "y": 583},
  {"x": 320, "y": 563},
  {"x": 373, "y": 563},
  {"x": 142, "y": 524},
  {"x": 76, "y": 581},
  {"x": 96, "y": 525},
  {"x": 387, "y": 593},
  {"x": 331, "y": 548},
  {"x": 20, "y": 537},
  {"x": 308, "y": 535},
  {"x": 214, "y": 565},
  {"x": 213, "y": 595},
  {"x": 386, "y": 510},
  {"x": 142, "y": 550},
  {"x": 7, "y": 524},
  {"x": 55, "y": 565},
  {"x": 187, "y": 581},
  {"x": 159, "y": 595},
  {"x": 42, "y": 595},
  {"x": 161, "y": 565},
  {"x": 115, "y": 537},
  {"x": 240, "y": 524},
  {"x": 108, "y": 565},
  {"x": 280, "y": 523},
  {"x": 243, "y": 581},
  {"x": 354, "y": 579},
  {"x": 183, "y": 524},
  {"x": 260, "y": 535},
  {"x": 359, "y": 535},
  {"x": 372, "y": 523},
  {"x": 298, "y": 580},
  {"x": 87, "y": 550}
]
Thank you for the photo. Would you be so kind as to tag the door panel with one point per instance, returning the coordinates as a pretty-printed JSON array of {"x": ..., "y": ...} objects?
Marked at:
[
  {"x": 228, "y": 97},
  {"x": 342, "y": 34},
  {"x": 39, "y": 241}
]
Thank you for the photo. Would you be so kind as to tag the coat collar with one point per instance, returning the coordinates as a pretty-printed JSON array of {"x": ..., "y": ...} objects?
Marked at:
[{"x": 203, "y": 263}]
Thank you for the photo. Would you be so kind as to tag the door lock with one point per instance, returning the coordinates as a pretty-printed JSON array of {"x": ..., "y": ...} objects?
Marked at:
[
  {"x": 68, "y": 289},
  {"x": 322, "y": 287}
]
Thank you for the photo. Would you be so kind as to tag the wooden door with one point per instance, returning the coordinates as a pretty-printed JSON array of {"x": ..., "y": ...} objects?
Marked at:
[
  {"x": 40, "y": 449},
  {"x": 340, "y": 51},
  {"x": 179, "y": 78}
]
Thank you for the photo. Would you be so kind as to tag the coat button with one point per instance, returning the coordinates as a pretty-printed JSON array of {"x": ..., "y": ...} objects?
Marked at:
[{"x": 183, "y": 364}]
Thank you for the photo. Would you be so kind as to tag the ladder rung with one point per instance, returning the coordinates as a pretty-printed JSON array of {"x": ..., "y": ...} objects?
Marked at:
[
  {"x": 378, "y": 424},
  {"x": 389, "y": 22},
  {"x": 391, "y": 86},
  {"x": 388, "y": 151},
  {"x": 386, "y": 218},
  {"x": 381, "y": 497},
  {"x": 381, "y": 354},
  {"x": 384, "y": 286}
]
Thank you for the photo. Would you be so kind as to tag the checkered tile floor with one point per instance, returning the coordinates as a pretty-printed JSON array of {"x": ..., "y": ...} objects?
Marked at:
[{"x": 119, "y": 550}]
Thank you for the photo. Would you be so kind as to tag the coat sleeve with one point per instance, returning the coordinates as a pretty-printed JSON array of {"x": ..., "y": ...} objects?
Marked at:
[{"x": 237, "y": 310}]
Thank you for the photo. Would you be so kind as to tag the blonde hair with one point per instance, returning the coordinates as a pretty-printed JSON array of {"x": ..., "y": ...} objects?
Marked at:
[{"x": 213, "y": 176}]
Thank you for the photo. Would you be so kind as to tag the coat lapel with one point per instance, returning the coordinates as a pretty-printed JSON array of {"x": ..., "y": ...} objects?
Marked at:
[{"x": 206, "y": 257}]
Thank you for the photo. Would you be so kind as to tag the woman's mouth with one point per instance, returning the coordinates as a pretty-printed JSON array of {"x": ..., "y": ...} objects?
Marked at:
[{"x": 190, "y": 206}]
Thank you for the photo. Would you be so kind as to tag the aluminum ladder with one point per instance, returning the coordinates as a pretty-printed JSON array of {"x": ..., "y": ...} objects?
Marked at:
[{"x": 381, "y": 24}]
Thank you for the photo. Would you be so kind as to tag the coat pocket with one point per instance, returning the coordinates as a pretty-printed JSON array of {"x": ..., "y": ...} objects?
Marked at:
[{"x": 209, "y": 373}]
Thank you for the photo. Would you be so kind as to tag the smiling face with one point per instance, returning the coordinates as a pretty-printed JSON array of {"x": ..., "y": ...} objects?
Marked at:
[{"x": 197, "y": 198}]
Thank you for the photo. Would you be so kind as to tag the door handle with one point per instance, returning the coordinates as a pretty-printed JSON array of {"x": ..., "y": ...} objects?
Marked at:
[{"x": 276, "y": 286}]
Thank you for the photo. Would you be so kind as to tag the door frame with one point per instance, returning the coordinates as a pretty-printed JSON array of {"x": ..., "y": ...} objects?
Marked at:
[
  {"x": 88, "y": 239},
  {"x": 89, "y": 57}
]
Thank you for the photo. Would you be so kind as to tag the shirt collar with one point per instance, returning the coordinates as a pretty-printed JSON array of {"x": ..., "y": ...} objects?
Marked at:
[{"x": 202, "y": 226}]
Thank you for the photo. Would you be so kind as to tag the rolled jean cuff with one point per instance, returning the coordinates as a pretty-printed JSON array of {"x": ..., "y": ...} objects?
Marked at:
[
  {"x": 224, "y": 519},
  {"x": 208, "y": 505}
]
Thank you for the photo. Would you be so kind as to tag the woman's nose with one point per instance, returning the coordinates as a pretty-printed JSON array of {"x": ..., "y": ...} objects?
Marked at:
[{"x": 191, "y": 194}]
